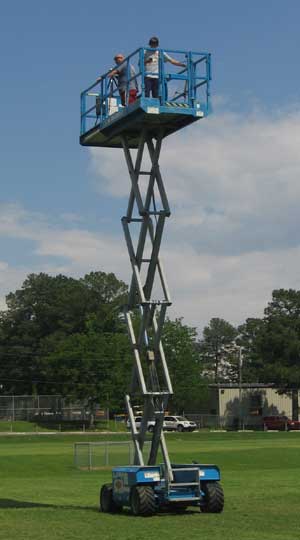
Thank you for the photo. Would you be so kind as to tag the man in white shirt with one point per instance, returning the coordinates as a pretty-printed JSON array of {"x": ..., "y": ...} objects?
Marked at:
[{"x": 151, "y": 60}]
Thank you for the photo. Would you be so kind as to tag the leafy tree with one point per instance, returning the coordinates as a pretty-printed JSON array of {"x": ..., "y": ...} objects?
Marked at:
[
  {"x": 249, "y": 338},
  {"x": 216, "y": 346},
  {"x": 276, "y": 344},
  {"x": 182, "y": 356},
  {"x": 53, "y": 307},
  {"x": 107, "y": 295},
  {"x": 92, "y": 367},
  {"x": 63, "y": 335}
]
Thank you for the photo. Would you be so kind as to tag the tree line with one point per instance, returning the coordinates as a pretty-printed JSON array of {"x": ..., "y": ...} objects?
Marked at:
[{"x": 61, "y": 335}]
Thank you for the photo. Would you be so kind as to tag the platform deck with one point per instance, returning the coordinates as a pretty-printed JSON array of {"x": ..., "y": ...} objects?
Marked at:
[{"x": 129, "y": 121}]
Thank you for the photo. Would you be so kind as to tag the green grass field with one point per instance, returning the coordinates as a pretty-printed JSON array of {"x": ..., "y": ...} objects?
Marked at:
[{"x": 43, "y": 497}]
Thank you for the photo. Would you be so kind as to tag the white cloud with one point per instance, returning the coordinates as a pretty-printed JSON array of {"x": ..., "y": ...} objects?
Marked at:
[
  {"x": 232, "y": 180},
  {"x": 9, "y": 278},
  {"x": 109, "y": 168},
  {"x": 84, "y": 251},
  {"x": 75, "y": 251},
  {"x": 231, "y": 287},
  {"x": 79, "y": 248},
  {"x": 233, "y": 185}
]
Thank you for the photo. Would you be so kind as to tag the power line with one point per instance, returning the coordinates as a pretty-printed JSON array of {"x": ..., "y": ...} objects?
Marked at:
[{"x": 34, "y": 381}]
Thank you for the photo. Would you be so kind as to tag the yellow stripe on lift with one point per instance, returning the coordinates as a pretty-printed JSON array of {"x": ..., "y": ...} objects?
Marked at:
[{"x": 172, "y": 104}]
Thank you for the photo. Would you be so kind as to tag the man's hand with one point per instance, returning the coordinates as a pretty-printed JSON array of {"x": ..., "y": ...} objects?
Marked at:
[{"x": 112, "y": 73}]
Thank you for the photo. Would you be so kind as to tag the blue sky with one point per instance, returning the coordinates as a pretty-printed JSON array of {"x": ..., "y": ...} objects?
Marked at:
[{"x": 59, "y": 212}]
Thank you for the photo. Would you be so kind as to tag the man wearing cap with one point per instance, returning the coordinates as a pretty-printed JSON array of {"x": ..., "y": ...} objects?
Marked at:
[
  {"x": 151, "y": 60},
  {"x": 121, "y": 73}
]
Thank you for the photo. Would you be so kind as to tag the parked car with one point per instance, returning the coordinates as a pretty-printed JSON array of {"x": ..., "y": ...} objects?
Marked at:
[
  {"x": 171, "y": 423},
  {"x": 178, "y": 423},
  {"x": 280, "y": 422},
  {"x": 138, "y": 420}
]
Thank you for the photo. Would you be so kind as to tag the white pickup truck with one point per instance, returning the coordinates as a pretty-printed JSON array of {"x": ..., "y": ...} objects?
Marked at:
[{"x": 171, "y": 423}]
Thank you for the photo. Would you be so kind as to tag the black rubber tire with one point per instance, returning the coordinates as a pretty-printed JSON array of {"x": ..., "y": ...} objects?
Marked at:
[
  {"x": 142, "y": 501},
  {"x": 214, "y": 498},
  {"x": 180, "y": 428},
  {"x": 107, "y": 503}
]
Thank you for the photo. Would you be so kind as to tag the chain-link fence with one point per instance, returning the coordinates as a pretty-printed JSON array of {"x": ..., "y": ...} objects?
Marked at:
[
  {"x": 56, "y": 412},
  {"x": 95, "y": 455},
  {"x": 215, "y": 421},
  {"x": 47, "y": 409}
]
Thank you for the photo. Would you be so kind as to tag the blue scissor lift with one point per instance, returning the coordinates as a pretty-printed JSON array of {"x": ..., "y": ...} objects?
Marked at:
[{"x": 184, "y": 93}]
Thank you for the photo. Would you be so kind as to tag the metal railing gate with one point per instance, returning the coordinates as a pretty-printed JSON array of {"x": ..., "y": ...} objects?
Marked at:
[{"x": 145, "y": 316}]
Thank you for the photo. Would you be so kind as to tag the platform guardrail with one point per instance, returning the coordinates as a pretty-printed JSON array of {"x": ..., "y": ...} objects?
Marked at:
[{"x": 178, "y": 86}]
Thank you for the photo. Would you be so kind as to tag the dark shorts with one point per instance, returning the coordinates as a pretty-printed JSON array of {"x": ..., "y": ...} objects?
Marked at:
[{"x": 151, "y": 85}]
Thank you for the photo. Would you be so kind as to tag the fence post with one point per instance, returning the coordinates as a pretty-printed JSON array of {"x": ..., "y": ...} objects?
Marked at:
[
  {"x": 106, "y": 454},
  {"x": 131, "y": 451},
  {"x": 90, "y": 456},
  {"x": 75, "y": 455},
  {"x": 13, "y": 408}
]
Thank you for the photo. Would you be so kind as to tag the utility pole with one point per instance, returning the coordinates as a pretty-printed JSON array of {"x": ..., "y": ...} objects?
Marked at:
[{"x": 241, "y": 420}]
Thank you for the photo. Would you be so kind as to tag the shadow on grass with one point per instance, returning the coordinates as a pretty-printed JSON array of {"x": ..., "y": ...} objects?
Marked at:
[
  {"x": 126, "y": 513},
  {"x": 12, "y": 503}
]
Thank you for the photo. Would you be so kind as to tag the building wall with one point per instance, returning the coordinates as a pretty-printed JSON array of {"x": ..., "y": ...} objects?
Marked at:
[{"x": 255, "y": 402}]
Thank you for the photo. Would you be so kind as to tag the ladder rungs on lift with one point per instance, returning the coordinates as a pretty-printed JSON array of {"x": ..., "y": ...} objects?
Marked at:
[
  {"x": 182, "y": 499},
  {"x": 176, "y": 469},
  {"x": 183, "y": 484},
  {"x": 163, "y": 393},
  {"x": 155, "y": 303}
]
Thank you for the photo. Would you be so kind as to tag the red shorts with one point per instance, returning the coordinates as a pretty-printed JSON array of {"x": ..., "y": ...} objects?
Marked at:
[{"x": 132, "y": 95}]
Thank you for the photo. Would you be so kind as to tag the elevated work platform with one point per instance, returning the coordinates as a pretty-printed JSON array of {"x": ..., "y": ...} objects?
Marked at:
[
  {"x": 183, "y": 98},
  {"x": 137, "y": 110}
]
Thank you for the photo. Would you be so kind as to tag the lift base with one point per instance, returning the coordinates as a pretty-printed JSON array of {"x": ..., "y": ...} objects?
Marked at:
[{"x": 146, "y": 491}]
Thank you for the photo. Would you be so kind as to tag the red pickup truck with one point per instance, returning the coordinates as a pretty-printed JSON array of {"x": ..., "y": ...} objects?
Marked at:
[{"x": 280, "y": 422}]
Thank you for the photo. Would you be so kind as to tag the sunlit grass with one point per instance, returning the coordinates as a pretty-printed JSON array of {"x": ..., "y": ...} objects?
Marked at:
[{"x": 42, "y": 495}]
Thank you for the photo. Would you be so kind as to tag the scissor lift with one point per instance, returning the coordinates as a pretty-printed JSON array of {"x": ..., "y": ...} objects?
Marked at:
[{"x": 146, "y": 486}]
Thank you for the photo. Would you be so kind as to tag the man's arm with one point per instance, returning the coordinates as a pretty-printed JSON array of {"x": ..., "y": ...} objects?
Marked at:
[
  {"x": 110, "y": 74},
  {"x": 176, "y": 62},
  {"x": 113, "y": 73},
  {"x": 168, "y": 58}
]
